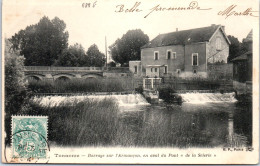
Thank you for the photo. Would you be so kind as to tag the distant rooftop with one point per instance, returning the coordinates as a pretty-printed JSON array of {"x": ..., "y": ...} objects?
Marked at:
[
  {"x": 242, "y": 57},
  {"x": 249, "y": 37}
]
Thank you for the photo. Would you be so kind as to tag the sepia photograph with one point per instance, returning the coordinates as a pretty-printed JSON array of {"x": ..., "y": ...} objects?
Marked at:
[{"x": 130, "y": 82}]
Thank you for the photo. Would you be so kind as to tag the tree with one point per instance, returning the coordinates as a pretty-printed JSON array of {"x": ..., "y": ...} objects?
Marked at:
[
  {"x": 15, "y": 85},
  {"x": 111, "y": 64},
  {"x": 41, "y": 43},
  {"x": 244, "y": 47},
  {"x": 234, "y": 48},
  {"x": 128, "y": 47},
  {"x": 73, "y": 56},
  {"x": 94, "y": 57}
]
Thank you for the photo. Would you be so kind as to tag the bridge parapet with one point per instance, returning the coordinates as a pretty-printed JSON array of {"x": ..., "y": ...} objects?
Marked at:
[
  {"x": 54, "y": 73},
  {"x": 54, "y": 68}
]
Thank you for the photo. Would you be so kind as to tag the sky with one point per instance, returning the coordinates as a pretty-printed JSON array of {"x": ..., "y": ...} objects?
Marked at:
[{"x": 90, "y": 25}]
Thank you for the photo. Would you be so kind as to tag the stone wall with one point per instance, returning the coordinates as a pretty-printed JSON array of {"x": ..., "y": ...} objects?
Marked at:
[
  {"x": 200, "y": 69},
  {"x": 220, "y": 71}
]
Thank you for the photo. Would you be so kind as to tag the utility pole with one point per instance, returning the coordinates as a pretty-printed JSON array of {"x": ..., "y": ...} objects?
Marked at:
[{"x": 106, "y": 52}]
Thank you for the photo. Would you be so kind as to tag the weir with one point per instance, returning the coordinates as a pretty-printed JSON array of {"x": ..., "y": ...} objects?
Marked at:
[
  {"x": 208, "y": 97},
  {"x": 122, "y": 100}
]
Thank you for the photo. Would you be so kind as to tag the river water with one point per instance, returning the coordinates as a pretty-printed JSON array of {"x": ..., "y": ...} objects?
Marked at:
[
  {"x": 202, "y": 120},
  {"x": 199, "y": 125}
]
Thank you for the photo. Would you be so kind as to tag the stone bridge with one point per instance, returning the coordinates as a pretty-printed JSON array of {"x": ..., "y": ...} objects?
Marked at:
[{"x": 62, "y": 73}]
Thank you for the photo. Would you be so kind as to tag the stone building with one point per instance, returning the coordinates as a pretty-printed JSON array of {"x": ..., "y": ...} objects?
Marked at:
[
  {"x": 135, "y": 67},
  {"x": 186, "y": 53}
]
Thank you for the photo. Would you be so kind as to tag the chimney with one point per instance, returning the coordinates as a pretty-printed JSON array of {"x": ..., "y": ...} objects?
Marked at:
[
  {"x": 176, "y": 29},
  {"x": 223, "y": 27}
]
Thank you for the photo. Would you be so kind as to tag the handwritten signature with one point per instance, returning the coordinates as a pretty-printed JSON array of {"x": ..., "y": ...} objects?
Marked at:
[
  {"x": 136, "y": 8},
  {"x": 230, "y": 11}
]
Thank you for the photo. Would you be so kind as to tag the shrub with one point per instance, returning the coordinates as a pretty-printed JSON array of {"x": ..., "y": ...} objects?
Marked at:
[
  {"x": 40, "y": 86},
  {"x": 139, "y": 89},
  {"x": 82, "y": 86},
  {"x": 166, "y": 93}
]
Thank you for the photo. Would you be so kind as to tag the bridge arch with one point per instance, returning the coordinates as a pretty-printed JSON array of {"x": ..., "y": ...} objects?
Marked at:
[
  {"x": 34, "y": 77},
  {"x": 63, "y": 77},
  {"x": 88, "y": 76}
]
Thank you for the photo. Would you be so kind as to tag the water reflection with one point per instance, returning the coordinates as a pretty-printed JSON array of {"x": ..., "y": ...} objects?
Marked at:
[{"x": 186, "y": 125}]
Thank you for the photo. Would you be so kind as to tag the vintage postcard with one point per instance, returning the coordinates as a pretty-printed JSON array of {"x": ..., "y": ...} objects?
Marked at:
[{"x": 130, "y": 82}]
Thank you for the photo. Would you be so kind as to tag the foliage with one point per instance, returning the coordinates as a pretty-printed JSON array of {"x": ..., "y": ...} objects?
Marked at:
[
  {"x": 95, "y": 57},
  {"x": 16, "y": 94},
  {"x": 236, "y": 48},
  {"x": 73, "y": 56},
  {"x": 41, "y": 43},
  {"x": 111, "y": 64},
  {"x": 128, "y": 47},
  {"x": 82, "y": 86},
  {"x": 88, "y": 122},
  {"x": 167, "y": 94},
  {"x": 139, "y": 89}
]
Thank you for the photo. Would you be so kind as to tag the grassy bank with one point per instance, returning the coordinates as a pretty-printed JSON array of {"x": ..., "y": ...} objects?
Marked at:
[
  {"x": 88, "y": 122},
  {"x": 82, "y": 86}
]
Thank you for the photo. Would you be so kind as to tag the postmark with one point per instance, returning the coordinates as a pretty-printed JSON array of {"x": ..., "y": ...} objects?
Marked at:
[{"x": 29, "y": 138}]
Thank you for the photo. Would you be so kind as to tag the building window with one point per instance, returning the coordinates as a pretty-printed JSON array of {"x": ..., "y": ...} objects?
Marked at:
[
  {"x": 169, "y": 54},
  {"x": 165, "y": 69},
  {"x": 135, "y": 69},
  {"x": 218, "y": 43},
  {"x": 151, "y": 69},
  {"x": 195, "y": 59},
  {"x": 156, "y": 55},
  {"x": 178, "y": 71},
  {"x": 174, "y": 55},
  {"x": 155, "y": 69},
  {"x": 194, "y": 71},
  {"x": 235, "y": 69}
]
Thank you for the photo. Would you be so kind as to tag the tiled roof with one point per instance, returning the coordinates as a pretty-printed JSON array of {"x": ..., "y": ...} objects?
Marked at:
[
  {"x": 183, "y": 37},
  {"x": 242, "y": 57}
]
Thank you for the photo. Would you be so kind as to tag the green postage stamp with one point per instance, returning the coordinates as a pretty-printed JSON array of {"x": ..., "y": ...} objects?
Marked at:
[{"x": 29, "y": 137}]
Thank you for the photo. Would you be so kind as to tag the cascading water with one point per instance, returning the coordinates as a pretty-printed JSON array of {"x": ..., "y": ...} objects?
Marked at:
[
  {"x": 125, "y": 100},
  {"x": 122, "y": 100},
  {"x": 208, "y": 97}
]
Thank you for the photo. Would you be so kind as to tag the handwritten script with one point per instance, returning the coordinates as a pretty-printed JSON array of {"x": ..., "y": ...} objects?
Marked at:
[
  {"x": 194, "y": 5},
  {"x": 230, "y": 11}
]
